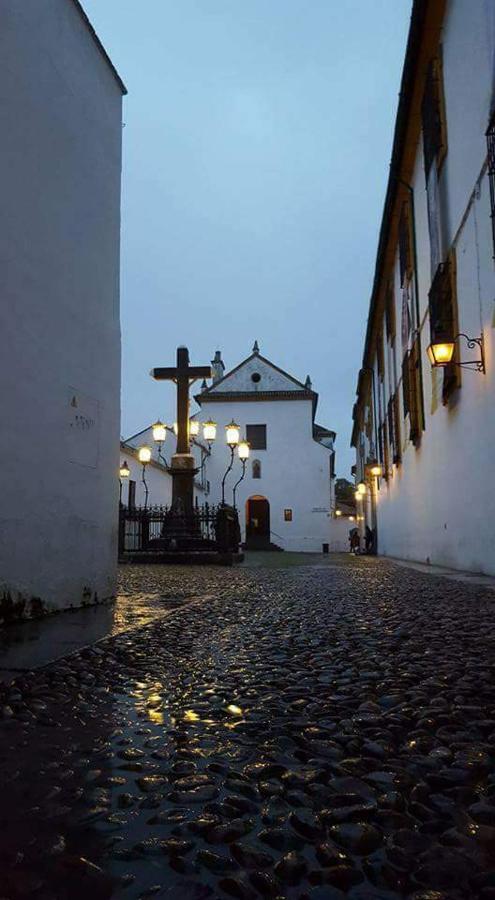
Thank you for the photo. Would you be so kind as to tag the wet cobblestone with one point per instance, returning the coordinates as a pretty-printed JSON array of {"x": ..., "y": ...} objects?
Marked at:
[{"x": 313, "y": 732}]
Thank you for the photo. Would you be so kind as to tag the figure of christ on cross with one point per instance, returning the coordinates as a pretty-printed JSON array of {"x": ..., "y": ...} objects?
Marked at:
[{"x": 182, "y": 468}]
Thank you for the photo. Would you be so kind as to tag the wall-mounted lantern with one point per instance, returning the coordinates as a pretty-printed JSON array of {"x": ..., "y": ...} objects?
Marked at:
[{"x": 441, "y": 353}]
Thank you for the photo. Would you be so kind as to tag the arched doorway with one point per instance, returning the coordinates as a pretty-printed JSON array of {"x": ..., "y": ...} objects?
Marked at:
[{"x": 257, "y": 523}]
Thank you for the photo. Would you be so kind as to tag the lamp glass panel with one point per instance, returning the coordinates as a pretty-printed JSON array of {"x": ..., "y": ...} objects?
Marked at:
[
  {"x": 441, "y": 354},
  {"x": 159, "y": 432},
  {"x": 233, "y": 433},
  {"x": 210, "y": 431},
  {"x": 243, "y": 450},
  {"x": 144, "y": 454}
]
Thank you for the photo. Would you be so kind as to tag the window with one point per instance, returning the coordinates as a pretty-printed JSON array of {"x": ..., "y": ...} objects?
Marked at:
[
  {"x": 256, "y": 436},
  {"x": 434, "y": 150},
  {"x": 433, "y": 118},
  {"x": 256, "y": 468},
  {"x": 405, "y": 245},
  {"x": 442, "y": 304},
  {"x": 412, "y": 391},
  {"x": 256, "y": 377},
  {"x": 394, "y": 428},
  {"x": 287, "y": 515},
  {"x": 490, "y": 138},
  {"x": 390, "y": 312},
  {"x": 132, "y": 495}
]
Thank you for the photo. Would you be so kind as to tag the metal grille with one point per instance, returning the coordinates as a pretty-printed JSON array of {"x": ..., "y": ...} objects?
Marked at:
[
  {"x": 490, "y": 139},
  {"x": 160, "y": 528}
]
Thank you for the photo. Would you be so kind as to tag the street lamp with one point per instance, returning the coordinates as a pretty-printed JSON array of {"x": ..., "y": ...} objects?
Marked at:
[
  {"x": 358, "y": 495},
  {"x": 209, "y": 432},
  {"x": 338, "y": 513},
  {"x": 361, "y": 488},
  {"x": 232, "y": 433},
  {"x": 375, "y": 468},
  {"x": 144, "y": 456},
  {"x": 159, "y": 435},
  {"x": 243, "y": 453},
  {"x": 193, "y": 427},
  {"x": 441, "y": 353},
  {"x": 124, "y": 472}
]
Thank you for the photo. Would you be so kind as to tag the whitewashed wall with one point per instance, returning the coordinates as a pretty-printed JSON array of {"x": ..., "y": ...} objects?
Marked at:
[
  {"x": 439, "y": 504},
  {"x": 294, "y": 469},
  {"x": 60, "y": 159}
]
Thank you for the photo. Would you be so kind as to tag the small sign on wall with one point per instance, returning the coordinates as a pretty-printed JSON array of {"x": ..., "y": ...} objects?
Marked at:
[
  {"x": 287, "y": 515},
  {"x": 83, "y": 427}
]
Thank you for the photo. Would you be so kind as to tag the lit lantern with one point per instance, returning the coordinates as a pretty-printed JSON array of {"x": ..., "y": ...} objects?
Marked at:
[
  {"x": 338, "y": 512},
  {"x": 144, "y": 455},
  {"x": 176, "y": 428},
  {"x": 193, "y": 427},
  {"x": 243, "y": 450},
  {"x": 232, "y": 432},
  {"x": 376, "y": 469},
  {"x": 124, "y": 470},
  {"x": 361, "y": 488},
  {"x": 210, "y": 431},
  {"x": 441, "y": 353},
  {"x": 358, "y": 495},
  {"x": 351, "y": 518},
  {"x": 159, "y": 432}
]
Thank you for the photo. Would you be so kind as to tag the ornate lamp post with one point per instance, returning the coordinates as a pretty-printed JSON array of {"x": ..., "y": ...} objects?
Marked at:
[
  {"x": 124, "y": 472},
  {"x": 232, "y": 432},
  {"x": 144, "y": 456},
  {"x": 243, "y": 453}
]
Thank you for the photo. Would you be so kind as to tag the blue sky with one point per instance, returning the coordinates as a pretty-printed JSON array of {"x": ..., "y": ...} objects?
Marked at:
[{"x": 257, "y": 143}]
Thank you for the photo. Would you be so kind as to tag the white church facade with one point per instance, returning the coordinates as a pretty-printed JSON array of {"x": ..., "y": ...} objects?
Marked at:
[{"x": 286, "y": 496}]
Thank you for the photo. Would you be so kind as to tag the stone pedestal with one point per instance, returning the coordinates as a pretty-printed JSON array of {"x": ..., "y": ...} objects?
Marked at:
[{"x": 183, "y": 469}]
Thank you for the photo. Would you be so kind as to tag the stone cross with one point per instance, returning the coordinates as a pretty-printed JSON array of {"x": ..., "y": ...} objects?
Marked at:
[{"x": 182, "y": 468}]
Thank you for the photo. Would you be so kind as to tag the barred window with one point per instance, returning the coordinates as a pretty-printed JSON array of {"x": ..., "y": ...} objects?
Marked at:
[
  {"x": 490, "y": 138},
  {"x": 442, "y": 304},
  {"x": 433, "y": 118}
]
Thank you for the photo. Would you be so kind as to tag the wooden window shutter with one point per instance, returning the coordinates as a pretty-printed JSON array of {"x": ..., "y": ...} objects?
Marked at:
[
  {"x": 405, "y": 245},
  {"x": 433, "y": 117},
  {"x": 452, "y": 373},
  {"x": 490, "y": 140}
]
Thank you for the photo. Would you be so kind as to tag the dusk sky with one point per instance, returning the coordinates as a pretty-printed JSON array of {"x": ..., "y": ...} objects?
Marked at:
[{"x": 257, "y": 143}]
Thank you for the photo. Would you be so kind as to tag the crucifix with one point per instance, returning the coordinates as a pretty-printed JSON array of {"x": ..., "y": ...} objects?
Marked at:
[{"x": 182, "y": 468}]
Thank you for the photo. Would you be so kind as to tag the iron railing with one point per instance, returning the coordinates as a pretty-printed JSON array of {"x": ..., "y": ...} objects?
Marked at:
[{"x": 164, "y": 529}]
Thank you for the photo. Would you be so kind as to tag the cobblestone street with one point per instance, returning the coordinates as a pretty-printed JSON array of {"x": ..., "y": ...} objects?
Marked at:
[{"x": 303, "y": 732}]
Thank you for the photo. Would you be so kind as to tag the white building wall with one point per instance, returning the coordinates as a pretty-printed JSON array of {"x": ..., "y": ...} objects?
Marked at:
[
  {"x": 60, "y": 164},
  {"x": 294, "y": 469},
  {"x": 439, "y": 504},
  {"x": 157, "y": 478}
]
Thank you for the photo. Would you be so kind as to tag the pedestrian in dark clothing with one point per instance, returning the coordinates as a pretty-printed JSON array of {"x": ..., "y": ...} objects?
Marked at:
[{"x": 369, "y": 539}]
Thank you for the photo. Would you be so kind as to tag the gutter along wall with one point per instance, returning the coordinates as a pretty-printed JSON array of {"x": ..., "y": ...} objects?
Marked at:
[{"x": 438, "y": 503}]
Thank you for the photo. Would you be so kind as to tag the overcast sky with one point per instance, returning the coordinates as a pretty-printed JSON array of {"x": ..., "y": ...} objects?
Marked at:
[{"x": 257, "y": 143}]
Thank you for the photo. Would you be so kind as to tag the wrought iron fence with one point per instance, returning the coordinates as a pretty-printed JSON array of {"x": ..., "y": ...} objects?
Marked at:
[{"x": 162, "y": 528}]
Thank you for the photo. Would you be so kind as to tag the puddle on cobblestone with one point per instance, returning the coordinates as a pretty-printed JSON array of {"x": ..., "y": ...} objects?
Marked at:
[{"x": 30, "y": 645}]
